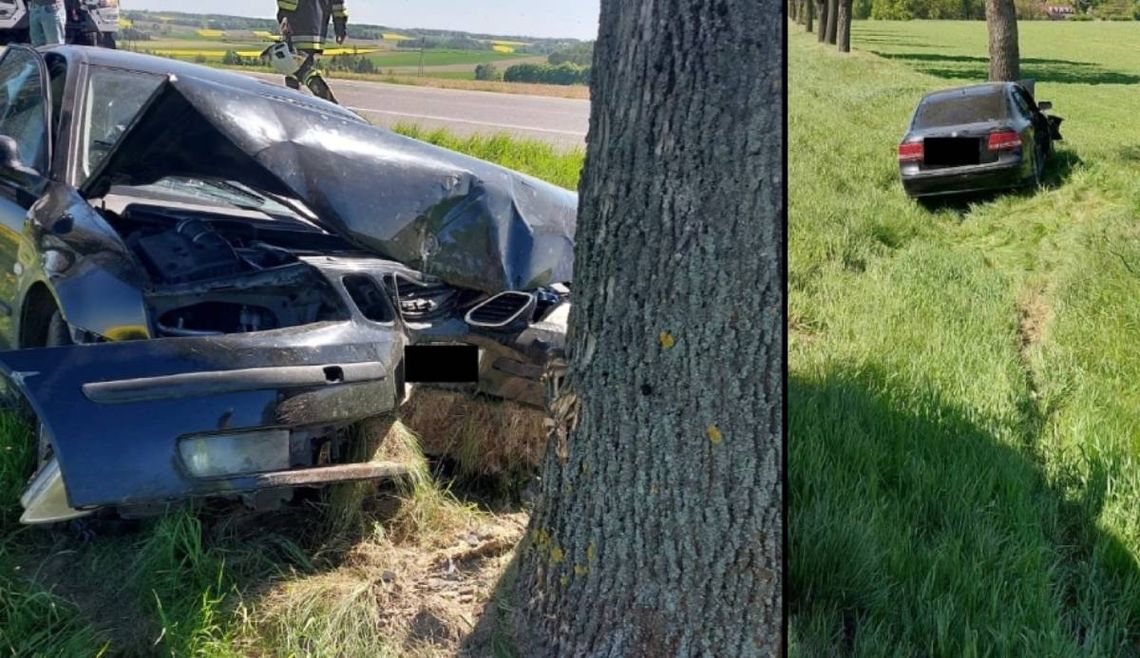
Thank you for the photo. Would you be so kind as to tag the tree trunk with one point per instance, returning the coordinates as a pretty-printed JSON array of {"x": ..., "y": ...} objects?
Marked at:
[
  {"x": 844, "y": 26},
  {"x": 809, "y": 5},
  {"x": 832, "y": 20},
  {"x": 658, "y": 532},
  {"x": 792, "y": 5},
  {"x": 821, "y": 5},
  {"x": 1001, "y": 21}
]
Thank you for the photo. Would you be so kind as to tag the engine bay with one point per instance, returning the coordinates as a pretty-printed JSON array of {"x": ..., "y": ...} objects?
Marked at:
[{"x": 215, "y": 274}]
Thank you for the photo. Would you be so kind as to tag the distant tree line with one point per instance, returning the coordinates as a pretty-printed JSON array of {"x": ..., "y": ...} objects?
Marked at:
[
  {"x": 488, "y": 72},
  {"x": 563, "y": 74},
  {"x": 581, "y": 54},
  {"x": 451, "y": 43},
  {"x": 534, "y": 45},
  {"x": 976, "y": 9},
  {"x": 834, "y": 19}
]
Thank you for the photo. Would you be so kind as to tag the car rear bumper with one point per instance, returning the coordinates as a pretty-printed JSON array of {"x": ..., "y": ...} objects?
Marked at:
[{"x": 964, "y": 180}]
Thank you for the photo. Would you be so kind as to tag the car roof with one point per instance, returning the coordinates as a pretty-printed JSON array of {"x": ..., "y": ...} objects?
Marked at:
[{"x": 165, "y": 66}]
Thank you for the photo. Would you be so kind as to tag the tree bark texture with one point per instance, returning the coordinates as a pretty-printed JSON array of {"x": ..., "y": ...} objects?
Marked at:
[
  {"x": 808, "y": 6},
  {"x": 1001, "y": 22},
  {"x": 844, "y": 26},
  {"x": 821, "y": 5},
  {"x": 658, "y": 532},
  {"x": 832, "y": 20}
]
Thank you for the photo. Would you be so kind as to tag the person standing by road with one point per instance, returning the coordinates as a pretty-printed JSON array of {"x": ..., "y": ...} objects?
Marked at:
[
  {"x": 47, "y": 21},
  {"x": 305, "y": 26}
]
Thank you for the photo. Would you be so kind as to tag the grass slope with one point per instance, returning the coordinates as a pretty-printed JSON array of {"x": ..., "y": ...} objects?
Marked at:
[{"x": 964, "y": 406}]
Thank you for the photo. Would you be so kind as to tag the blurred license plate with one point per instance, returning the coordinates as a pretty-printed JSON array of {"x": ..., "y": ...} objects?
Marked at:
[{"x": 441, "y": 364}]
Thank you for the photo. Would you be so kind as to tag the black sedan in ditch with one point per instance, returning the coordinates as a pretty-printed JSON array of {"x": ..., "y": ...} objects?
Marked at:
[
  {"x": 979, "y": 138},
  {"x": 209, "y": 281}
]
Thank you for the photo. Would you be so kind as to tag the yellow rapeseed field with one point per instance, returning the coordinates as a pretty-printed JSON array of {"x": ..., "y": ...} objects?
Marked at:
[{"x": 211, "y": 34}]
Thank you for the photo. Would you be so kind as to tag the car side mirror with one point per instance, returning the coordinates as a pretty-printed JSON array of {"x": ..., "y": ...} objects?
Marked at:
[
  {"x": 1044, "y": 106},
  {"x": 10, "y": 160}
]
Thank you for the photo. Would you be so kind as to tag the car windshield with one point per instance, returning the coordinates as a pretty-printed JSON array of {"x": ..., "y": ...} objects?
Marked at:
[
  {"x": 958, "y": 108},
  {"x": 113, "y": 98}
]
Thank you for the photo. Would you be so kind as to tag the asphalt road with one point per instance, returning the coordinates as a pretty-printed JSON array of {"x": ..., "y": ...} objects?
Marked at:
[{"x": 559, "y": 121}]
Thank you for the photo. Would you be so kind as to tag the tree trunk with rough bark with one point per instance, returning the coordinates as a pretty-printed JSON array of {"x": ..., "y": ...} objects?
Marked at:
[
  {"x": 809, "y": 6},
  {"x": 832, "y": 20},
  {"x": 658, "y": 531},
  {"x": 821, "y": 5},
  {"x": 1001, "y": 22},
  {"x": 844, "y": 26}
]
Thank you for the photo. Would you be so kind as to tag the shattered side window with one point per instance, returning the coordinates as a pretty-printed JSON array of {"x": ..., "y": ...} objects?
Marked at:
[
  {"x": 114, "y": 97},
  {"x": 22, "y": 107}
]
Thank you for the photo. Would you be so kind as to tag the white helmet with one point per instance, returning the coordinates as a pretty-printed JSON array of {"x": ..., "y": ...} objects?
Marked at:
[{"x": 283, "y": 58}]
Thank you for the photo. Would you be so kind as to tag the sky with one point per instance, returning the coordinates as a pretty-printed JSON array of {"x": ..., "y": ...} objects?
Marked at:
[{"x": 535, "y": 18}]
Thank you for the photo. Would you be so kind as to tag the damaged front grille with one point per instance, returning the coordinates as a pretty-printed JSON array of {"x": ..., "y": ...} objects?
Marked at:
[
  {"x": 502, "y": 310},
  {"x": 424, "y": 301}
]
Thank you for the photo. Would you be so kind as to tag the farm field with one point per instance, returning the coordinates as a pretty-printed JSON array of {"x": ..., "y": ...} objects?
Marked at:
[
  {"x": 964, "y": 402},
  {"x": 405, "y": 571},
  {"x": 382, "y": 57}
]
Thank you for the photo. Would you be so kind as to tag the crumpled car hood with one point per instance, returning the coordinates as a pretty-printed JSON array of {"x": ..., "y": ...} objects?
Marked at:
[{"x": 470, "y": 223}]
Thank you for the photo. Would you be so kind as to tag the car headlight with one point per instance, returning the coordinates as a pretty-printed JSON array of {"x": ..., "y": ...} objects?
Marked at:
[{"x": 237, "y": 453}]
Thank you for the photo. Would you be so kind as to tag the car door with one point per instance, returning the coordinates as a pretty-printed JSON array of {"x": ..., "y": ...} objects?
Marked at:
[
  {"x": 1040, "y": 126},
  {"x": 25, "y": 111}
]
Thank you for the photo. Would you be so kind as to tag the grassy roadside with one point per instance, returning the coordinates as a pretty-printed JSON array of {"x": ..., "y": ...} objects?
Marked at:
[
  {"x": 359, "y": 572},
  {"x": 964, "y": 410}
]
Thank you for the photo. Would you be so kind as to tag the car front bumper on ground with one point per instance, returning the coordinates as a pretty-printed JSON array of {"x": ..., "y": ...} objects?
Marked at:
[
  {"x": 143, "y": 423},
  {"x": 964, "y": 180}
]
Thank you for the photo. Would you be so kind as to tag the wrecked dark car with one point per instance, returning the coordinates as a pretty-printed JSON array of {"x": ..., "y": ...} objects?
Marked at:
[
  {"x": 209, "y": 280},
  {"x": 979, "y": 138}
]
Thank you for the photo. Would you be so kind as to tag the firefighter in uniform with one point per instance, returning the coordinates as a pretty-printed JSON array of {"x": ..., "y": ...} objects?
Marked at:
[{"x": 305, "y": 25}]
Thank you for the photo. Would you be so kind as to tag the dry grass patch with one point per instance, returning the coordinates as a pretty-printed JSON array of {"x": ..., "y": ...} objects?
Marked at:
[
  {"x": 405, "y": 573},
  {"x": 485, "y": 437}
]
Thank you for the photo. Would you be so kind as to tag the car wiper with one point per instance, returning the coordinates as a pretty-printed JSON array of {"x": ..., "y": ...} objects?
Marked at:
[
  {"x": 300, "y": 211},
  {"x": 237, "y": 189}
]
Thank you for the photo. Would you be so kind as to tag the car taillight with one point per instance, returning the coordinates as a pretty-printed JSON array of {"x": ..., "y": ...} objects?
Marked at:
[
  {"x": 910, "y": 152},
  {"x": 1004, "y": 140}
]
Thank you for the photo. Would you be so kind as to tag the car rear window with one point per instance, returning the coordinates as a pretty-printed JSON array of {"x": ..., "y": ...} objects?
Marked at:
[{"x": 950, "y": 110}]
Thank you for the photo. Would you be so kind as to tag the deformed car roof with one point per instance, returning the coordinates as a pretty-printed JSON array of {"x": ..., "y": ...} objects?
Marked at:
[{"x": 471, "y": 223}]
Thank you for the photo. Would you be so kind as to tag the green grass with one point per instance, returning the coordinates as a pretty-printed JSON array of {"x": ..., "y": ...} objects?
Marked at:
[
  {"x": 964, "y": 407},
  {"x": 452, "y": 75},
  {"x": 439, "y": 57},
  {"x": 533, "y": 157}
]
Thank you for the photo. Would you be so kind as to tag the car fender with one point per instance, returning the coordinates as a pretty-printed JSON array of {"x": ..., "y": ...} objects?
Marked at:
[{"x": 97, "y": 284}]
